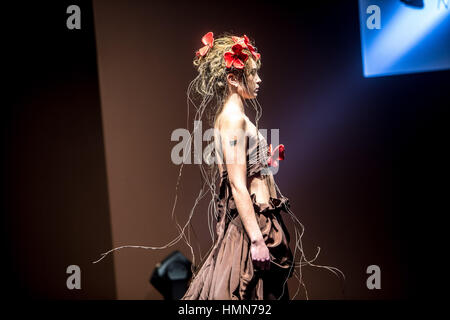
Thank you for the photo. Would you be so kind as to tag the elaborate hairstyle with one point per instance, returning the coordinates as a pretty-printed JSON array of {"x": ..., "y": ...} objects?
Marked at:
[
  {"x": 207, "y": 93},
  {"x": 219, "y": 57}
]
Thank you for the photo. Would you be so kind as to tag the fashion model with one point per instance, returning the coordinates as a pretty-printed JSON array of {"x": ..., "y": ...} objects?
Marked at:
[{"x": 251, "y": 256}]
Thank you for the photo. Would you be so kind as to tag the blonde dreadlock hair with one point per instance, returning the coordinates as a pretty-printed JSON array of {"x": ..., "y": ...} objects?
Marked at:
[{"x": 211, "y": 81}]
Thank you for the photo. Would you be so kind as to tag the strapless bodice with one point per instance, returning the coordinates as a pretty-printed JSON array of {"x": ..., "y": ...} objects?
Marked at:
[{"x": 256, "y": 154}]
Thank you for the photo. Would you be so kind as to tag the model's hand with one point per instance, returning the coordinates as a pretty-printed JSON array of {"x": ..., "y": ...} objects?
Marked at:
[{"x": 260, "y": 255}]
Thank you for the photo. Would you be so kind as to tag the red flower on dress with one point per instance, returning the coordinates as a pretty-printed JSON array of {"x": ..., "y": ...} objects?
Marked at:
[
  {"x": 245, "y": 42},
  {"x": 235, "y": 57},
  {"x": 208, "y": 40},
  {"x": 272, "y": 160}
]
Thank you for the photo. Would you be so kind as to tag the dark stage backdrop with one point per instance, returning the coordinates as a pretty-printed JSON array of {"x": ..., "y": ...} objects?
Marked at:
[
  {"x": 87, "y": 138},
  {"x": 56, "y": 210}
]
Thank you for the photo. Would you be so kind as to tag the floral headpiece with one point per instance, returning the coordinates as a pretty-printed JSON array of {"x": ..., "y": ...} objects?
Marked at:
[
  {"x": 236, "y": 57},
  {"x": 208, "y": 40},
  {"x": 245, "y": 42}
]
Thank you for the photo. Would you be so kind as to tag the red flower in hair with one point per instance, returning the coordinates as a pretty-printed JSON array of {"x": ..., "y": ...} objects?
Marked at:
[
  {"x": 208, "y": 40},
  {"x": 245, "y": 42},
  {"x": 272, "y": 160},
  {"x": 235, "y": 57}
]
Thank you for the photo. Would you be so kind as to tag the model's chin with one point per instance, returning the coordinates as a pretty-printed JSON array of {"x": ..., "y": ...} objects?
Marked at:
[{"x": 251, "y": 96}]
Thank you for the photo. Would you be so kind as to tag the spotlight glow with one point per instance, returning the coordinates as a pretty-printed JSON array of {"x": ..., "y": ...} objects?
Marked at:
[{"x": 410, "y": 39}]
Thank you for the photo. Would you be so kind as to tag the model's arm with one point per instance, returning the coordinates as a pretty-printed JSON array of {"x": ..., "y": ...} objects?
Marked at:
[{"x": 234, "y": 149}]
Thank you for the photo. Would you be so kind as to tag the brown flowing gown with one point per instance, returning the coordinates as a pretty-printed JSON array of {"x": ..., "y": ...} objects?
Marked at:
[{"x": 227, "y": 271}]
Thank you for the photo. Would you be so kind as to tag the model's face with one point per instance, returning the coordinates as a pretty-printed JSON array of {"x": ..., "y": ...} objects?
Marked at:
[{"x": 253, "y": 80}]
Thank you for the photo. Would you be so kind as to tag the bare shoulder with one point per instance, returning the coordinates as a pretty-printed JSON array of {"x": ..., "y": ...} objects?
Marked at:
[{"x": 232, "y": 121}]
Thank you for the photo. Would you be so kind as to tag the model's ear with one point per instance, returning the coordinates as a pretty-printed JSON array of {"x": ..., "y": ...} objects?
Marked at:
[{"x": 232, "y": 80}]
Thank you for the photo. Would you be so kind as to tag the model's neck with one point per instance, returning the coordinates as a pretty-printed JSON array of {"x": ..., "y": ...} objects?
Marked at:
[{"x": 235, "y": 100}]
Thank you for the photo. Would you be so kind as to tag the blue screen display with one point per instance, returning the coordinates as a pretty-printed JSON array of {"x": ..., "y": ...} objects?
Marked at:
[{"x": 404, "y": 36}]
